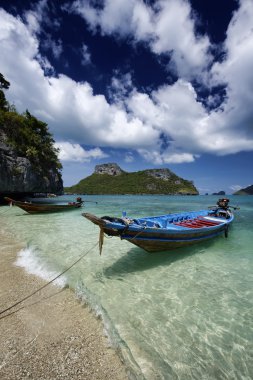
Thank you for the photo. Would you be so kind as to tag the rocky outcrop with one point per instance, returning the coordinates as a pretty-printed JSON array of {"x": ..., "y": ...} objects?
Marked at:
[
  {"x": 164, "y": 174},
  {"x": 17, "y": 175},
  {"x": 110, "y": 169}
]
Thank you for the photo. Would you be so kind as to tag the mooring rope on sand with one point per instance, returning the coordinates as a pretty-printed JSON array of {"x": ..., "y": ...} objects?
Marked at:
[
  {"x": 44, "y": 286},
  {"x": 32, "y": 304},
  {"x": 4, "y": 211}
]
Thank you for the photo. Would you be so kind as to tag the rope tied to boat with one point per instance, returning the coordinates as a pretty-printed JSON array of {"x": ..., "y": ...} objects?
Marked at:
[
  {"x": 101, "y": 240},
  {"x": 119, "y": 233},
  {"x": 226, "y": 230},
  {"x": 138, "y": 233},
  {"x": 4, "y": 211},
  {"x": 45, "y": 285}
]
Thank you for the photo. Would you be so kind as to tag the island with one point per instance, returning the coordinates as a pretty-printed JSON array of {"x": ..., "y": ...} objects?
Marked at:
[
  {"x": 220, "y": 193},
  {"x": 111, "y": 179},
  {"x": 246, "y": 191}
]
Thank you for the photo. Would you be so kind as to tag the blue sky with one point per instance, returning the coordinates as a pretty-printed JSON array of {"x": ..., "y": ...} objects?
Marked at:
[{"x": 146, "y": 84}]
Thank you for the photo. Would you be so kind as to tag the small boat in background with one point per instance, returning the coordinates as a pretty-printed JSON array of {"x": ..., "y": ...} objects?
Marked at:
[
  {"x": 35, "y": 208},
  {"x": 166, "y": 232}
]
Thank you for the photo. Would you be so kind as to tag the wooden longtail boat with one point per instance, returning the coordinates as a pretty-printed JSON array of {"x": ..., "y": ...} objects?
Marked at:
[
  {"x": 166, "y": 232},
  {"x": 35, "y": 208}
]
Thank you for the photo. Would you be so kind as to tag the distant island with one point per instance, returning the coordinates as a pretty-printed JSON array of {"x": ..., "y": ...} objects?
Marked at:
[
  {"x": 220, "y": 193},
  {"x": 246, "y": 191},
  {"x": 111, "y": 179}
]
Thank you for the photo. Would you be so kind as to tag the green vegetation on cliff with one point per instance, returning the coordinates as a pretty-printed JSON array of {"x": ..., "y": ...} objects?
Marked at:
[
  {"x": 160, "y": 181},
  {"x": 27, "y": 136}
]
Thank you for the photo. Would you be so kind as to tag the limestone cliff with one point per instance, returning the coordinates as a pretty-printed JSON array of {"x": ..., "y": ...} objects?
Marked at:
[
  {"x": 110, "y": 169},
  {"x": 19, "y": 176},
  {"x": 28, "y": 158}
]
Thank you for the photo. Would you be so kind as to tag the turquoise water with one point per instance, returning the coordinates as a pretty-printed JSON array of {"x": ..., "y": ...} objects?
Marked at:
[{"x": 184, "y": 314}]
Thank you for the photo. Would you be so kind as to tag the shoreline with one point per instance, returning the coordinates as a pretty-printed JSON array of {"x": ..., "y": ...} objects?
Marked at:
[{"x": 56, "y": 338}]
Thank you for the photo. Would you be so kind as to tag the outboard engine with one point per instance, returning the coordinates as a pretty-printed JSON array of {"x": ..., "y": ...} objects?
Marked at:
[{"x": 223, "y": 203}]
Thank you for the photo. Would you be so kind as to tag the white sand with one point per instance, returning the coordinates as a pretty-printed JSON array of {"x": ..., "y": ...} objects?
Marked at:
[{"x": 57, "y": 338}]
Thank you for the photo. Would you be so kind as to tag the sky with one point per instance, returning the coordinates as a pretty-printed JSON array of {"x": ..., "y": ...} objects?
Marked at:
[{"x": 143, "y": 83}]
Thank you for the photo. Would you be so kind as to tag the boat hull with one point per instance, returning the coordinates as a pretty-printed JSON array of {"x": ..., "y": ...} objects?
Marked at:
[
  {"x": 179, "y": 231},
  {"x": 169, "y": 242},
  {"x": 33, "y": 208},
  {"x": 156, "y": 242}
]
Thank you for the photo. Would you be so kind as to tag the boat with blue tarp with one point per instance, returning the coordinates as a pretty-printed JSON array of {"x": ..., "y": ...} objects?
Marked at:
[{"x": 166, "y": 232}]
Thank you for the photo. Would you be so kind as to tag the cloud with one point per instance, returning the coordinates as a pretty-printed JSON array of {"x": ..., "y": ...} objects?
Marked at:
[
  {"x": 34, "y": 17},
  {"x": 174, "y": 31},
  {"x": 129, "y": 157},
  {"x": 39, "y": 22},
  {"x": 167, "y": 125},
  {"x": 167, "y": 27},
  {"x": 166, "y": 158},
  {"x": 40, "y": 15},
  {"x": 235, "y": 188},
  {"x": 234, "y": 120},
  {"x": 86, "y": 57},
  {"x": 121, "y": 86},
  {"x": 74, "y": 152},
  {"x": 55, "y": 46},
  {"x": 70, "y": 108}
]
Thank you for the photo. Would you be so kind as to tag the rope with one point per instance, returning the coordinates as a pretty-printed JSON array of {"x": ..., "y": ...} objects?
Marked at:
[
  {"x": 137, "y": 233},
  {"x": 31, "y": 304},
  {"x": 102, "y": 236},
  {"x": 48, "y": 283},
  {"x": 4, "y": 211},
  {"x": 101, "y": 240}
]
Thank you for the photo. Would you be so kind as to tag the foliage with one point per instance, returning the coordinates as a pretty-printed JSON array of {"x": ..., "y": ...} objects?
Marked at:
[
  {"x": 132, "y": 183},
  {"x": 27, "y": 136},
  {"x": 4, "y": 84}
]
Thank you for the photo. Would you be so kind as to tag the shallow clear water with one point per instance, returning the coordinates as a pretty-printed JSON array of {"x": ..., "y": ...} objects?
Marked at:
[{"x": 184, "y": 314}]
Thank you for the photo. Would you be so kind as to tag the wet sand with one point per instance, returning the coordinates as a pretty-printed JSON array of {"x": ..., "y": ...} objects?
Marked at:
[{"x": 57, "y": 338}]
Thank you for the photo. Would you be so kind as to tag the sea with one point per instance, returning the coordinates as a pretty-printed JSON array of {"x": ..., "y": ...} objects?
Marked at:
[{"x": 182, "y": 314}]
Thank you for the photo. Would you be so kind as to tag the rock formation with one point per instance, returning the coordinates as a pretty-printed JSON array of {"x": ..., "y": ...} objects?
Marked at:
[
  {"x": 110, "y": 169},
  {"x": 18, "y": 176}
]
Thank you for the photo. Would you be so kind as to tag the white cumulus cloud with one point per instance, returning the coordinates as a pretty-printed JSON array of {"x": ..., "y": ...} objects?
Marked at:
[
  {"x": 74, "y": 152},
  {"x": 167, "y": 125},
  {"x": 235, "y": 187},
  {"x": 167, "y": 27}
]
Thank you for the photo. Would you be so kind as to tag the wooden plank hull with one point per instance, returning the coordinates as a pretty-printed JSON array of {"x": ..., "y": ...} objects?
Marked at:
[{"x": 33, "y": 208}]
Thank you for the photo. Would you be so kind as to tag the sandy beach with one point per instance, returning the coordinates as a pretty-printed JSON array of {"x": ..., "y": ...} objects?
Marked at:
[{"x": 57, "y": 338}]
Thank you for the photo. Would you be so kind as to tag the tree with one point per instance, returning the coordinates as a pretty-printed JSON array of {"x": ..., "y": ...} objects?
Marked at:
[{"x": 4, "y": 84}]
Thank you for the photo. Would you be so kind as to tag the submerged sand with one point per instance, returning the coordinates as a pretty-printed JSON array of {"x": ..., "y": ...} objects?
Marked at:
[{"x": 57, "y": 338}]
